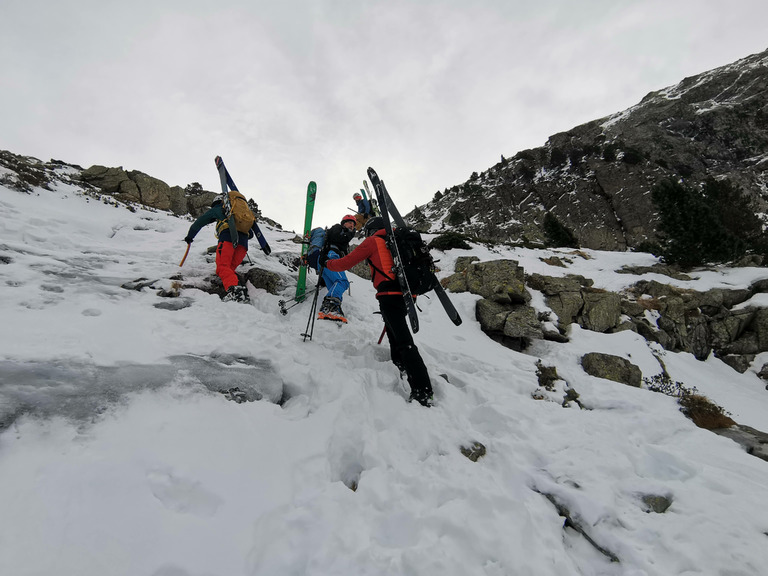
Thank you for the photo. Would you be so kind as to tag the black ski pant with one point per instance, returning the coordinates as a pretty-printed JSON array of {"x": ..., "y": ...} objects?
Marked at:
[{"x": 404, "y": 353}]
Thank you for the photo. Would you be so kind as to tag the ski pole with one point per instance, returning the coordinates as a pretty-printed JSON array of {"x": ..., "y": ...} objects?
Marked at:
[
  {"x": 307, "y": 332},
  {"x": 296, "y": 301},
  {"x": 383, "y": 331},
  {"x": 185, "y": 256}
]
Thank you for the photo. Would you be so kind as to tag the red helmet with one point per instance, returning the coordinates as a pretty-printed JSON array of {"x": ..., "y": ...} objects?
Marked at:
[
  {"x": 357, "y": 196},
  {"x": 349, "y": 218}
]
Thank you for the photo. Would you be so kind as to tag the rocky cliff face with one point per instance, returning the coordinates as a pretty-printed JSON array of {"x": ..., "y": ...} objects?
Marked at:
[{"x": 596, "y": 179}]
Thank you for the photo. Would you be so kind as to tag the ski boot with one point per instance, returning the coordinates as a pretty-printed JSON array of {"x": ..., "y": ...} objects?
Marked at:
[
  {"x": 424, "y": 398},
  {"x": 236, "y": 294},
  {"x": 330, "y": 309}
]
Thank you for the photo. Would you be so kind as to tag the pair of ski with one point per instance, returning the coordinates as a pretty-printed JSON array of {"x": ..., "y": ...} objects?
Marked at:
[
  {"x": 228, "y": 184},
  {"x": 388, "y": 208}
]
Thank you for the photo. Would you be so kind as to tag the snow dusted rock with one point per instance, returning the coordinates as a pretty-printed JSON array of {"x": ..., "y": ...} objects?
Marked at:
[
  {"x": 754, "y": 441},
  {"x": 513, "y": 325},
  {"x": 272, "y": 282},
  {"x": 602, "y": 310},
  {"x": 738, "y": 362},
  {"x": 657, "y": 504},
  {"x": 463, "y": 263},
  {"x": 502, "y": 281},
  {"x": 612, "y": 367},
  {"x": 474, "y": 452},
  {"x": 563, "y": 294}
]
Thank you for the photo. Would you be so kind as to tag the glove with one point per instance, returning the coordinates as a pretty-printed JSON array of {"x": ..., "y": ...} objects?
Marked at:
[
  {"x": 188, "y": 240},
  {"x": 322, "y": 260}
]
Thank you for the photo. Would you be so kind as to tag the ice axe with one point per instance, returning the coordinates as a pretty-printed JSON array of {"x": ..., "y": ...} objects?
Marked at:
[{"x": 185, "y": 256}]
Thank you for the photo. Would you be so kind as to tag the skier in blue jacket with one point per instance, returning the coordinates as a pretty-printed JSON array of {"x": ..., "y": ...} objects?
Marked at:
[{"x": 331, "y": 243}]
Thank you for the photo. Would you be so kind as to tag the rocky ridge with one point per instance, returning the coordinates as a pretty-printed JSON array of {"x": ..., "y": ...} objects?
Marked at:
[
  {"x": 110, "y": 184},
  {"x": 595, "y": 179}
]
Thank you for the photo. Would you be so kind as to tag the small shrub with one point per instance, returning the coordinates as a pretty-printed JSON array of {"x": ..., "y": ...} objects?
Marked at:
[
  {"x": 576, "y": 155},
  {"x": 649, "y": 247},
  {"x": 650, "y": 304},
  {"x": 547, "y": 376},
  {"x": 632, "y": 156},
  {"x": 526, "y": 171},
  {"x": 684, "y": 170},
  {"x": 455, "y": 218},
  {"x": 526, "y": 155},
  {"x": 705, "y": 413},
  {"x": 557, "y": 234},
  {"x": 699, "y": 409},
  {"x": 557, "y": 157},
  {"x": 609, "y": 153}
]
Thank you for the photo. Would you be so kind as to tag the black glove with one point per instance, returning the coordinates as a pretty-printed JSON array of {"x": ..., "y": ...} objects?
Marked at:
[
  {"x": 322, "y": 260},
  {"x": 188, "y": 240}
]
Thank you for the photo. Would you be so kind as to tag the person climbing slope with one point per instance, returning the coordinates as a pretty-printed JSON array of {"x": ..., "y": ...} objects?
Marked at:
[
  {"x": 403, "y": 351},
  {"x": 331, "y": 244},
  {"x": 228, "y": 257}
]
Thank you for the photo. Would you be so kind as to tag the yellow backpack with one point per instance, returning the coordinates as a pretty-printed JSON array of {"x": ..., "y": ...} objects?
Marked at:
[{"x": 244, "y": 218}]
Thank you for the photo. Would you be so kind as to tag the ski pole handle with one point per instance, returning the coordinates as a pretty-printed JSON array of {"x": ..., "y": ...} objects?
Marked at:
[{"x": 185, "y": 256}]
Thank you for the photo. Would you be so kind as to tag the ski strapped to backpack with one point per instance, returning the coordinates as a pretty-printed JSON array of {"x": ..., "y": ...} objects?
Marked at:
[
  {"x": 240, "y": 218},
  {"x": 367, "y": 196},
  {"x": 414, "y": 266}
]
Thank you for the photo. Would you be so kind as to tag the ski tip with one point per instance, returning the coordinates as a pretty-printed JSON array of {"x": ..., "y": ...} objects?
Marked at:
[{"x": 217, "y": 160}]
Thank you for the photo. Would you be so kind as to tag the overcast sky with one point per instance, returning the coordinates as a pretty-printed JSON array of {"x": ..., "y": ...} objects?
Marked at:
[{"x": 425, "y": 91}]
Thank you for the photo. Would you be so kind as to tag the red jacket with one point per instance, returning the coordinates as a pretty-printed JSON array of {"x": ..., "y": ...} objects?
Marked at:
[{"x": 374, "y": 249}]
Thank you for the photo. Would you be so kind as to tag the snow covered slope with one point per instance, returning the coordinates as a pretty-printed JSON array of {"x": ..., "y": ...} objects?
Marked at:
[{"x": 118, "y": 455}]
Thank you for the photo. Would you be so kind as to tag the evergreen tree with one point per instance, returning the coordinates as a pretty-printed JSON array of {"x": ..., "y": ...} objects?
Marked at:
[
  {"x": 716, "y": 224},
  {"x": 557, "y": 234}
]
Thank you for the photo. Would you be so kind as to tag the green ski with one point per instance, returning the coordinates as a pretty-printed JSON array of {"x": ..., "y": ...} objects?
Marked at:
[{"x": 301, "y": 286}]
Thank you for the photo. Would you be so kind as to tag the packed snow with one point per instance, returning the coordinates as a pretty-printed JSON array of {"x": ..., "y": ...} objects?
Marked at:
[{"x": 119, "y": 455}]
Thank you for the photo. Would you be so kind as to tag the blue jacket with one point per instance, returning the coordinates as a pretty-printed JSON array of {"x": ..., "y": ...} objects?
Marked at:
[{"x": 364, "y": 207}]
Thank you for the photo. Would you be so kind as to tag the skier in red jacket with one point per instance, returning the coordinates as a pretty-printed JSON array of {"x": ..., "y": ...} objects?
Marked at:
[{"x": 404, "y": 353}]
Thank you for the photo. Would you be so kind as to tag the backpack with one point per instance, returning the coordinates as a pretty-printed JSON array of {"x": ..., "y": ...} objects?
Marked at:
[
  {"x": 244, "y": 218},
  {"x": 418, "y": 264},
  {"x": 316, "y": 240}
]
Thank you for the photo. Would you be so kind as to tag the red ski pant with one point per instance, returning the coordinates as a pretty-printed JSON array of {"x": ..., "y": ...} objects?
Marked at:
[{"x": 228, "y": 258}]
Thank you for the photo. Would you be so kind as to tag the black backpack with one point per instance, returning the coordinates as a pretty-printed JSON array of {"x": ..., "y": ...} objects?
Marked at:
[{"x": 417, "y": 261}]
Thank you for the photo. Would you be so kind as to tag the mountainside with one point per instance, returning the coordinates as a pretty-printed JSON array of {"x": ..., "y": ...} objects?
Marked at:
[
  {"x": 596, "y": 179},
  {"x": 120, "y": 455}
]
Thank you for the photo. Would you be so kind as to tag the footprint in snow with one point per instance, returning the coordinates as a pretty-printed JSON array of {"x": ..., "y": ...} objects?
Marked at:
[{"x": 182, "y": 495}]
